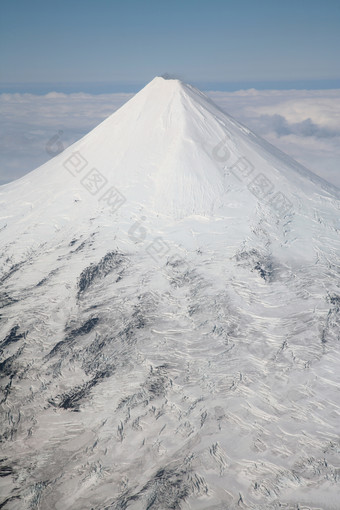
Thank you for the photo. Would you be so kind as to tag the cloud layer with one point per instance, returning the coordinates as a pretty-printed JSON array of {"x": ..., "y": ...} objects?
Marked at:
[{"x": 304, "y": 124}]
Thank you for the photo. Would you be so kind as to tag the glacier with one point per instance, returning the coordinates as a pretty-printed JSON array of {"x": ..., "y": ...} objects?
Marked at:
[{"x": 170, "y": 319}]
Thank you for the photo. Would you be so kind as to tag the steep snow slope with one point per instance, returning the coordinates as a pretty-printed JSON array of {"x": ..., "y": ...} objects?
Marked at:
[{"x": 170, "y": 312}]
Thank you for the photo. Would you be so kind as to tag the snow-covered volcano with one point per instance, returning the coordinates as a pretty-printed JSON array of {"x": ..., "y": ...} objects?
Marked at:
[{"x": 170, "y": 312}]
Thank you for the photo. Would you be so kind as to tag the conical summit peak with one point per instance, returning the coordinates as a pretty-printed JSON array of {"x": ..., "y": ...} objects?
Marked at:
[{"x": 168, "y": 151}]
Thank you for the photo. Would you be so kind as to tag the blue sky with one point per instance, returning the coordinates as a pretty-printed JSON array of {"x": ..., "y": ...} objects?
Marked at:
[{"x": 110, "y": 45}]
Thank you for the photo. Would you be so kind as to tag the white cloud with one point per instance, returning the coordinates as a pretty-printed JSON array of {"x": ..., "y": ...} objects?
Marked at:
[
  {"x": 304, "y": 124},
  {"x": 29, "y": 123}
]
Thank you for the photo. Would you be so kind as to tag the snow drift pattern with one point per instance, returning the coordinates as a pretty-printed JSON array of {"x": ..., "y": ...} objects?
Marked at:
[{"x": 169, "y": 335}]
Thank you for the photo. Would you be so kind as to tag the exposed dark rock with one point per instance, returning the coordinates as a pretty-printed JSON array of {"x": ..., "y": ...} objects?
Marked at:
[
  {"x": 86, "y": 328},
  {"x": 13, "y": 336},
  {"x": 105, "y": 266}
]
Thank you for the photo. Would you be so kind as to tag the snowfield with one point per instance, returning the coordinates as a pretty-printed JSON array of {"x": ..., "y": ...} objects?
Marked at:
[{"x": 170, "y": 319}]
